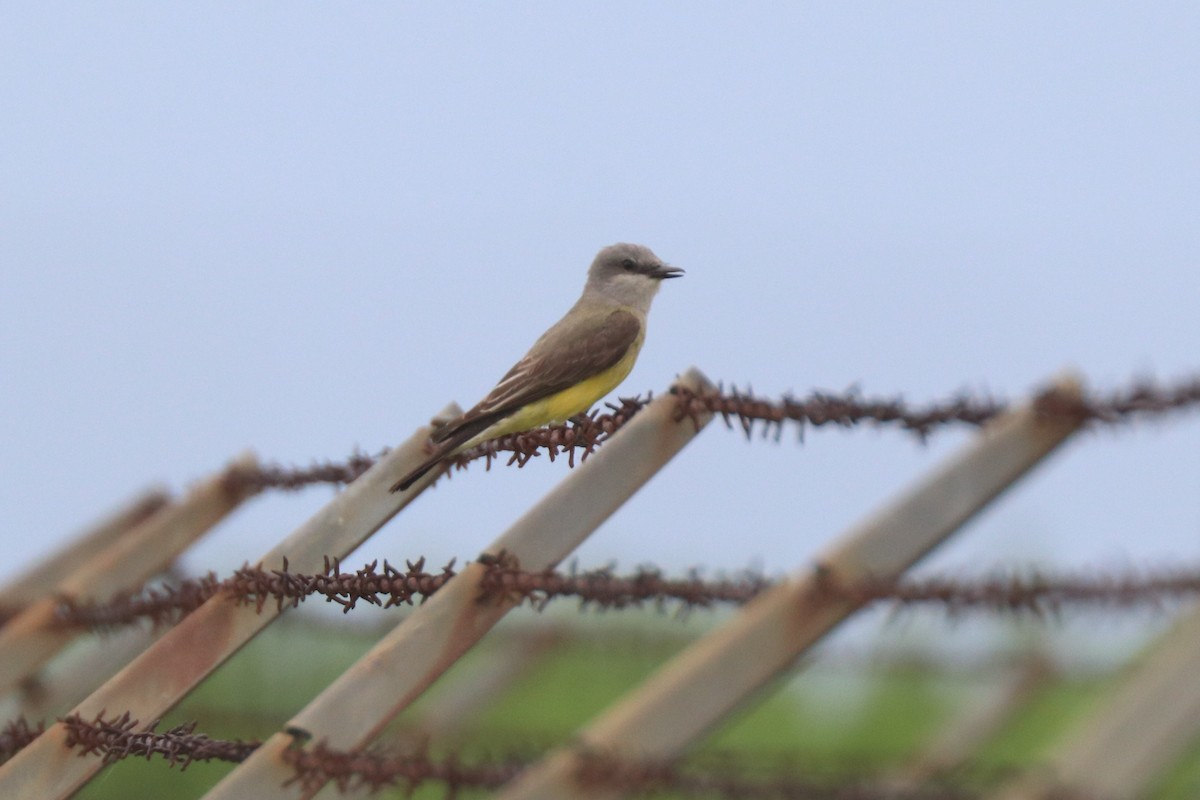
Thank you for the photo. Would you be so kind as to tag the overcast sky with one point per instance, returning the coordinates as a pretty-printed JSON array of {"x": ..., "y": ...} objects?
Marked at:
[{"x": 302, "y": 228}]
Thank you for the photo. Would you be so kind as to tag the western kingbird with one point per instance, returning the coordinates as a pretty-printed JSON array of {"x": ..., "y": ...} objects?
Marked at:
[{"x": 576, "y": 362}]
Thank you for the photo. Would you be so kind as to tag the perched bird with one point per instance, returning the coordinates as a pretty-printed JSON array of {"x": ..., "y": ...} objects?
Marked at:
[{"x": 581, "y": 358}]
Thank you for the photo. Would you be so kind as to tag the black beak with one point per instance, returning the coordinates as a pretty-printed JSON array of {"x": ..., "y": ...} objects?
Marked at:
[{"x": 662, "y": 272}]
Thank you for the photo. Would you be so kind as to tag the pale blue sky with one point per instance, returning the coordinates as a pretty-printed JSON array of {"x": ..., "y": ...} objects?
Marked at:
[{"x": 303, "y": 227}]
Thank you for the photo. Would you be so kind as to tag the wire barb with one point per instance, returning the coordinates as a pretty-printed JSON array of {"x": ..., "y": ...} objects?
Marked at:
[{"x": 15, "y": 735}]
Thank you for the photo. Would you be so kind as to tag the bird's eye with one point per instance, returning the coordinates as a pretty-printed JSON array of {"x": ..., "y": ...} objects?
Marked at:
[{"x": 628, "y": 264}]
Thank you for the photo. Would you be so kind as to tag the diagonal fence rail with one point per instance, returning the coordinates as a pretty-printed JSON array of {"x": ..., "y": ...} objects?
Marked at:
[
  {"x": 39, "y": 580},
  {"x": 1143, "y": 725}
]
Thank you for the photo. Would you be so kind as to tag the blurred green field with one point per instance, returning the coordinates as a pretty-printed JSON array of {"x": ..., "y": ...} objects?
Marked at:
[{"x": 828, "y": 719}]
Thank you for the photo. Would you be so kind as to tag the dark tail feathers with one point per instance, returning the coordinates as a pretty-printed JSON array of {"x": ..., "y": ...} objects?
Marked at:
[{"x": 444, "y": 448}]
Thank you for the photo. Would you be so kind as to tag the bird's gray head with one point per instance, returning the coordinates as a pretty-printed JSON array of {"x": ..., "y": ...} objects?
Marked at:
[{"x": 628, "y": 275}]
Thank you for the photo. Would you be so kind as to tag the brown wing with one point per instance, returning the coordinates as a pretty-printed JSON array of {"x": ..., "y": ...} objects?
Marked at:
[{"x": 556, "y": 362}]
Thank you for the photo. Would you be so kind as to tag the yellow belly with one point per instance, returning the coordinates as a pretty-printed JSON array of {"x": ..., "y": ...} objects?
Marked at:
[{"x": 565, "y": 404}]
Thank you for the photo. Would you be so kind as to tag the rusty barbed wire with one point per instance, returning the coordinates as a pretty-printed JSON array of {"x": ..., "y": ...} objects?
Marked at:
[
  {"x": 257, "y": 586},
  {"x": 732, "y": 780},
  {"x": 1142, "y": 398},
  {"x": 583, "y": 434},
  {"x": 1145, "y": 398},
  {"x": 825, "y": 408},
  {"x": 275, "y": 476},
  {"x": 120, "y": 737},
  {"x": 1032, "y": 593},
  {"x": 390, "y": 586},
  {"x": 604, "y": 589},
  {"x": 1023, "y": 593},
  {"x": 115, "y": 738},
  {"x": 15, "y": 735},
  {"x": 380, "y": 768}
]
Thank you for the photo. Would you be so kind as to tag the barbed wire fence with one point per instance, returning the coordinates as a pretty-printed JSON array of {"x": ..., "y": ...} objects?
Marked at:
[
  {"x": 1014, "y": 592},
  {"x": 41, "y": 611},
  {"x": 745, "y": 411}
]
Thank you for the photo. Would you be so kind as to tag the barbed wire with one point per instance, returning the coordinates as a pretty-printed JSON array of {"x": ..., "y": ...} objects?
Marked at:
[
  {"x": 583, "y": 434},
  {"x": 391, "y": 586},
  {"x": 744, "y": 410},
  {"x": 15, "y": 735},
  {"x": 380, "y": 768},
  {"x": 732, "y": 781},
  {"x": 826, "y": 408},
  {"x": 276, "y": 476},
  {"x": 115, "y": 738},
  {"x": 1029, "y": 593},
  {"x": 120, "y": 737}
]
